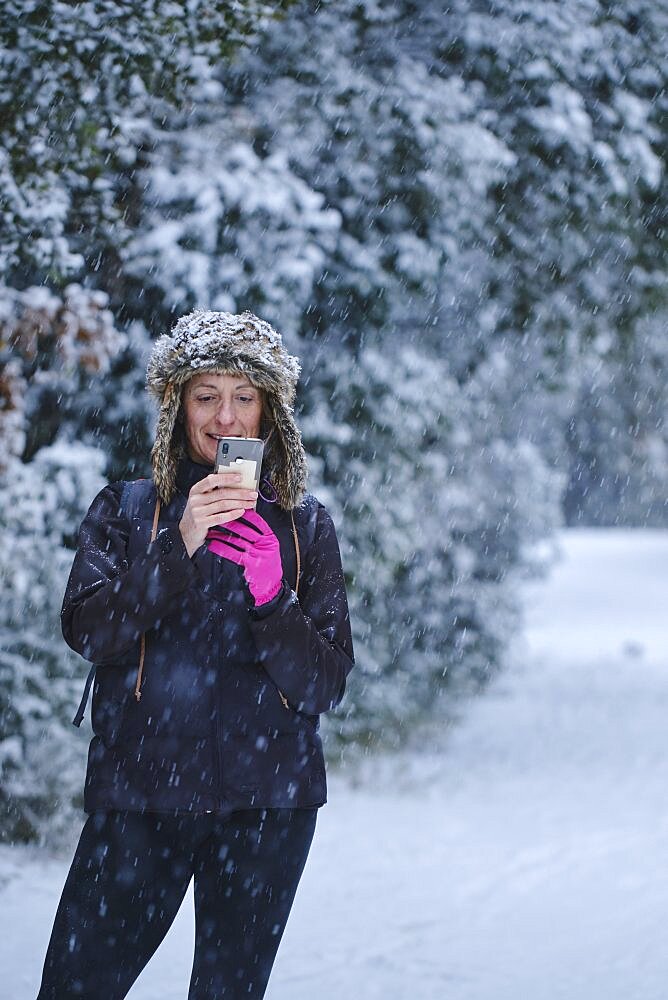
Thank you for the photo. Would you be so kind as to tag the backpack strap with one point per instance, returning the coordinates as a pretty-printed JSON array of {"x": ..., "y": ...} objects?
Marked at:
[
  {"x": 298, "y": 555},
  {"x": 135, "y": 494},
  {"x": 142, "y": 652},
  {"x": 307, "y": 518}
]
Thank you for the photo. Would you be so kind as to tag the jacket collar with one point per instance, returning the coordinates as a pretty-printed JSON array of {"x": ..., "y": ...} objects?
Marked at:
[{"x": 188, "y": 473}]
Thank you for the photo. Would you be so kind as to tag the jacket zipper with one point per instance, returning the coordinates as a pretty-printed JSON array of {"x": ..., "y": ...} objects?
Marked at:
[
  {"x": 219, "y": 749},
  {"x": 298, "y": 567},
  {"x": 217, "y": 700}
]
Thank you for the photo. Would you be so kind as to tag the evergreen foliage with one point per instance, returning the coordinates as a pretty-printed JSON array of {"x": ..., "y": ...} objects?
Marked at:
[
  {"x": 41, "y": 755},
  {"x": 454, "y": 217}
]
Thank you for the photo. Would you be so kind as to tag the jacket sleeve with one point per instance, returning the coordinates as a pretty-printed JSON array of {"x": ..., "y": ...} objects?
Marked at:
[
  {"x": 109, "y": 602},
  {"x": 305, "y": 643}
]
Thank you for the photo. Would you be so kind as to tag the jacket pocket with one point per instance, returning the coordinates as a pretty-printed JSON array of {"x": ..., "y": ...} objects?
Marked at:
[
  {"x": 112, "y": 691},
  {"x": 108, "y": 719}
]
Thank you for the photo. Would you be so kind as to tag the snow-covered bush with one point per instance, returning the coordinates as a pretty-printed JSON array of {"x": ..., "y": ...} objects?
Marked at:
[
  {"x": 80, "y": 87},
  {"x": 223, "y": 229},
  {"x": 55, "y": 345},
  {"x": 453, "y": 216},
  {"x": 437, "y": 515},
  {"x": 41, "y": 754},
  {"x": 499, "y": 170}
]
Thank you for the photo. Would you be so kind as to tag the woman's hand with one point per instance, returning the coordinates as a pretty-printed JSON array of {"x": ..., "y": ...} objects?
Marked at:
[
  {"x": 253, "y": 545},
  {"x": 216, "y": 499}
]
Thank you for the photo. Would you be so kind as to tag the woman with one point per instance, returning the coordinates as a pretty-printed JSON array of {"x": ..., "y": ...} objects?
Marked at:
[{"x": 218, "y": 634}]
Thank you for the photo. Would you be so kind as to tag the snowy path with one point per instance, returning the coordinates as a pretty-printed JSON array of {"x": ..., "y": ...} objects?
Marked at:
[{"x": 522, "y": 854}]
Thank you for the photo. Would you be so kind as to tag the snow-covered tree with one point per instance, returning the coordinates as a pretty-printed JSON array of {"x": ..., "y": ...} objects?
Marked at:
[
  {"x": 499, "y": 171},
  {"x": 41, "y": 755},
  {"x": 82, "y": 88},
  {"x": 452, "y": 214},
  {"x": 460, "y": 228},
  {"x": 577, "y": 93},
  {"x": 224, "y": 228},
  {"x": 54, "y": 344},
  {"x": 439, "y": 515}
]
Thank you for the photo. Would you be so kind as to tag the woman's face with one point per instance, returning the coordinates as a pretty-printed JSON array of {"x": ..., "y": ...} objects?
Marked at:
[{"x": 219, "y": 406}]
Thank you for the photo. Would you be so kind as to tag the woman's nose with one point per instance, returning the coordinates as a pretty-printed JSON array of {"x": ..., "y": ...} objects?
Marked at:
[{"x": 225, "y": 415}]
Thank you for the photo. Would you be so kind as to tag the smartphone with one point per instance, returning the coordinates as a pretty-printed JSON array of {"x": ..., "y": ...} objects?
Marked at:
[{"x": 244, "y": 455}]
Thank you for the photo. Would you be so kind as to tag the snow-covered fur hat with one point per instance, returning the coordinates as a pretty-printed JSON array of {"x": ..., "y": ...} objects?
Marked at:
[{"x": 232, "y": 344}]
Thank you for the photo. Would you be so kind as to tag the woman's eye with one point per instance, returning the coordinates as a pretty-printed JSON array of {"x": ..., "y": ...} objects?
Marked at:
[{"x": 240, "y": 399}]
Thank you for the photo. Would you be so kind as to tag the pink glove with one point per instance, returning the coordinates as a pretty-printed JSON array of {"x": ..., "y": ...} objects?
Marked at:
[{"x": 255, "y": 548}]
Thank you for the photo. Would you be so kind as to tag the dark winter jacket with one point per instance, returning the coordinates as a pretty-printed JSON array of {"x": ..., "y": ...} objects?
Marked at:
[{"x": 211, "y": 731}]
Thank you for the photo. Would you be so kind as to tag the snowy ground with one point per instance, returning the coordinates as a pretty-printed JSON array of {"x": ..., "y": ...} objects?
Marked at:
[{"x": 521, "y": 854}]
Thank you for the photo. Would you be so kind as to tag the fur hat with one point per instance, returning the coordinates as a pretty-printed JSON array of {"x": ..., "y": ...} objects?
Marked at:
[{"x": 231, "y": 344}]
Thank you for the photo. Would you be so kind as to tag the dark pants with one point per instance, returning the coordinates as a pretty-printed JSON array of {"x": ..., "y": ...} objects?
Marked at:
[{"x": 128, "y": 878}]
